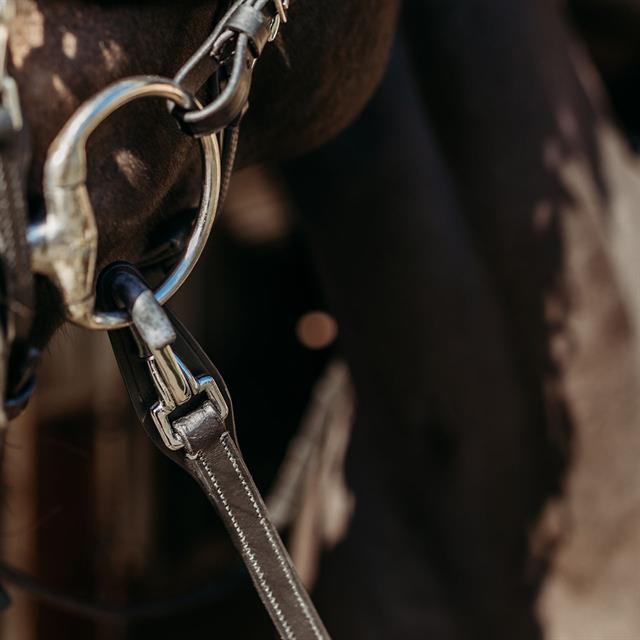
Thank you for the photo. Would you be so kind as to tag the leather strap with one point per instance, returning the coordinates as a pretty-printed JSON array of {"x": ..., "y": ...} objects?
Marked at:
[
  {"x": 212, "y": 457},
  {"x": 135, "y": 375},
  {"x": 229, "y": 53},
  {"x": 15, "y": 261}
]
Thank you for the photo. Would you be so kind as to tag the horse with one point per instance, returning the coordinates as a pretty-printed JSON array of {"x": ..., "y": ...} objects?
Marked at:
[
  {"x": 69, "y": 51},
  {"x": 496, "y": 371},
  {"x": 499, "y": 255}
]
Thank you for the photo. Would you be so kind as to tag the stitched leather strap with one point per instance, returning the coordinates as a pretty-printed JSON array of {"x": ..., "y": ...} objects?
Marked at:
[{"x": 212, "y": 457}]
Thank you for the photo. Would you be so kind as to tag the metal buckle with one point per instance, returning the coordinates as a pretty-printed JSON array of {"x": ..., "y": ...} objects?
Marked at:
[{"x": 176, "y": 387}]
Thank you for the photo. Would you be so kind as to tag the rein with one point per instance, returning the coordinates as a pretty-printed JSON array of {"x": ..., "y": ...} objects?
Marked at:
[{"x": 179, "y": 396}]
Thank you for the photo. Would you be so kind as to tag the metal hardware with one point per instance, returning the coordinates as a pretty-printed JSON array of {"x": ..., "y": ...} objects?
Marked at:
[
  {"x": 176, "y": 386},
  {"x": 65, "y": 246},
  {"x": 275, "y": 28},
  {"x": 229, "y": 54},
  {"x": 282, "y": 6},
  {"x": 230, "y": 102}
]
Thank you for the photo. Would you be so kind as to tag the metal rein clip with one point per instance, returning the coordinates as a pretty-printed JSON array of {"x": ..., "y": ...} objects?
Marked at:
[{"x": 177, "y": 388}]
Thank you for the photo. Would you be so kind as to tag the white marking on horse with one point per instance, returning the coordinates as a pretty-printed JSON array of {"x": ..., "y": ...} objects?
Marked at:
[
  {"x": 27, "y": 31},
  {"x": 112, "y": 54},
  {"x": 62, "y": 90},
  {"x": 131, "y": 167},
  {"x": 69, "y": 45}
]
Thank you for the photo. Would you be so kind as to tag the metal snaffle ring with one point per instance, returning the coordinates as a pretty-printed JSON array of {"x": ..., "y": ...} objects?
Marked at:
[{"x": 65, "y": 246}]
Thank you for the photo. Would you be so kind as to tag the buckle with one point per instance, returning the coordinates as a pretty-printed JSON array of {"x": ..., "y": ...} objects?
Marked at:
[{"x": 177, "y": 387}]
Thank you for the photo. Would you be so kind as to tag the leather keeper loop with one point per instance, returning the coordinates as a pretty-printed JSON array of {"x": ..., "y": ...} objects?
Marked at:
[{"x": 253, "y": 23}]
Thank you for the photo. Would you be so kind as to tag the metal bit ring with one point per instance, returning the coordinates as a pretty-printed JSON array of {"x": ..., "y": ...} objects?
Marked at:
[{"x": 65, "y": 246}]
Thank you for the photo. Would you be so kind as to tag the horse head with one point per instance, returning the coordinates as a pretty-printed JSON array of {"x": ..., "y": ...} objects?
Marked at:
[{"x": 142, "y": 169}]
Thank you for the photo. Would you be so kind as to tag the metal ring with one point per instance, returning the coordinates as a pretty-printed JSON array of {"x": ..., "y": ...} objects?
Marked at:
[{"x": 65, "y": 246}]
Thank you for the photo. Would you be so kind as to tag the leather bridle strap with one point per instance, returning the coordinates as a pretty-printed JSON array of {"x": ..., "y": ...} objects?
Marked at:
[
  {"x": 229, "y": 55},
  {"x": 213, "y": 459},
  {"x": 16, "y": 278},
  {"x": 173, "y": 386},
  {"x": 215, "y": 593}
]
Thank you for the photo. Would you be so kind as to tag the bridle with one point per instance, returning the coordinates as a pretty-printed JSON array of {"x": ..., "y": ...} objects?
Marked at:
[{"x": 178, "y": 394}]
